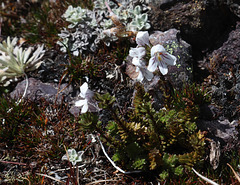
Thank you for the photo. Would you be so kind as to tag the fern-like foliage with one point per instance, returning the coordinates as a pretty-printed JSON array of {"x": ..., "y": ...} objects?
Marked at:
[{"x": 165, "y": 141}]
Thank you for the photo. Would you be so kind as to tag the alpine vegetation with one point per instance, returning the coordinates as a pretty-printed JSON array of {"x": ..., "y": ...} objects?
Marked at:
[
  {"x": 88, "y": 27},
  {"x": 16, "y": 61}
]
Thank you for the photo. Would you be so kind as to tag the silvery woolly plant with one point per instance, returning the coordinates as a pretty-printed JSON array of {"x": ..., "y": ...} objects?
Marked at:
[
  {"x": 73, "y": 156},
  {"x": 16, "y": 61},
  {"x": 87, "y": 28},
  {"x": 82, "y": 35}
]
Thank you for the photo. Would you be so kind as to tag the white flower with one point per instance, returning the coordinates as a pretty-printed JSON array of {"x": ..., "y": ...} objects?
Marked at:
[
  {"x": 87, "y": 95},
  {"x": 74, "y": 157},
  {"x": 143, "y": 72},
  {"x": 160, "y": 58},
  {"x": 137, "y": 52},
  {"x": 142, "y": 38}
]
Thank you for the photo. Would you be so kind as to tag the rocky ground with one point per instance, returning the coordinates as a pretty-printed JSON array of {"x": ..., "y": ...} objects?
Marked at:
[{"x": 204, "y": 35}]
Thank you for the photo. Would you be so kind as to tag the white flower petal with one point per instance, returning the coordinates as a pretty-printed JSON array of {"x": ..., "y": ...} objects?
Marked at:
[
  {"x": 157, "y": 49},
  {"x": 135, "y": 61},
  {"x": 147, "y": 74},
  {"x": 83, "y": 90},
  {"x": 153, "y": 63},
  {"x": 140, "y": 76},
  {"x": 137, "y": 52},
  {"x": 138, "y": 62},
  {"x": 84, "y": 108},
  {"x": 80, "y": 103},
  {"x": 142, "y": 38},
  {"x": 169, "y": 59},
  {"x": 137, "y": 69},
  {"x": 163, "y": 68}
]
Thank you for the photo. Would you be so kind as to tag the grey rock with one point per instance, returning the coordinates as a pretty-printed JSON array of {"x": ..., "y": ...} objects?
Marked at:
[
  {"x": 223, "y": 131},
  {"x": 224, "y": 79},
  {"x": 37, "y": 90}
]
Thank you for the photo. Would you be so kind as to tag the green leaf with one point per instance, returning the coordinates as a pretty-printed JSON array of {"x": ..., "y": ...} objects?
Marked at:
[
  {"x": 139, "y": 164},
  {"x": 116, "y": 157}
]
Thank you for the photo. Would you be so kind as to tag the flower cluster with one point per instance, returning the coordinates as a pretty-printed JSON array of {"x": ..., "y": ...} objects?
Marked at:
[{"x": 160, "y": 58}]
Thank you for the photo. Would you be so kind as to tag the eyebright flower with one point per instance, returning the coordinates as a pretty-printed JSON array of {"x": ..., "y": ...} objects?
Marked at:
[
  {"x": 142, "y": 38},
  {"x": 160, "y": 58},
  {"x": 74, "y": 157},
  {"x": 143, "y": 72},
  {"x": 137, "y": 52},
  {"x": 87, "y": 95}
]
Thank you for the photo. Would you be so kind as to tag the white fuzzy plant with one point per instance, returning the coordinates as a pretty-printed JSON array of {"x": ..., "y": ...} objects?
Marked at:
[{"x": 16, "y": 61}]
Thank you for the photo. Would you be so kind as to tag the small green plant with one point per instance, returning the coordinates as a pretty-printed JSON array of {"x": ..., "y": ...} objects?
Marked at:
[{"x": 165, "y": 141}]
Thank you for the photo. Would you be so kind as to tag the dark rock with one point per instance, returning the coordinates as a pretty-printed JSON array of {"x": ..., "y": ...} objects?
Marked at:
[
  {"x": 201, "y": 23},
  {"x": 209, "y": 112},
  {"x": 52, "y": 68},
  {"x": 37, "y": 90},
  {"x": 221, "y": 130},
  {"x": 233, "y": 5},
  {"x": 224, "y": 79}
]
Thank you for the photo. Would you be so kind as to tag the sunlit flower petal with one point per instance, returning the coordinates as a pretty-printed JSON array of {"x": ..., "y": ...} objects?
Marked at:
[
  {"x": 84, "y": 108},
  {"x": 163, "y": 68},
  {"x": 83, "y": 90},
  {"x": 153, "y": 63},
  {"x": 143, "y": 73},
  {"x": 137, "y": 52},
  {"x": 157, "y": 49},
  {"x": 138, "y": 62},
  {"x": 169, "y": 59},
  {"x": 87, "y": 103},
  {"x": 80, "y": 103},
  {"x": 140, "y": 75},
  {"x": 142, "y": 38}
]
